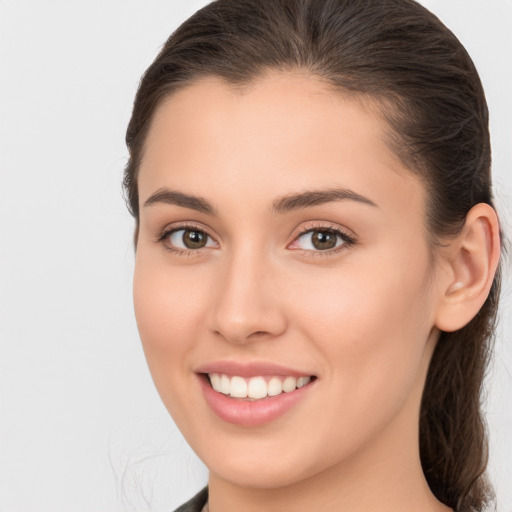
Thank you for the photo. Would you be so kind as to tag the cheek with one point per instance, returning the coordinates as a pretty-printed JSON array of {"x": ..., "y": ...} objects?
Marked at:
[
  {"x": 168, "y": 308},
  {"x": 371, "y": 324},
  {"x": 165, "y": 299},
  {"x": 372, "y": 302}
]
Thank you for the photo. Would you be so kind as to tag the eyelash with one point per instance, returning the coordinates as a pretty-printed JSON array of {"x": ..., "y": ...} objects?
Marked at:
[
  {"x": 166, "y": 233},
  {"x": 348, "y": 240}
]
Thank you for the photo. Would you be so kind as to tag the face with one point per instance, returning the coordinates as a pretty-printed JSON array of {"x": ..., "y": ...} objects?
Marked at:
[{"x": 283, "y": 254}]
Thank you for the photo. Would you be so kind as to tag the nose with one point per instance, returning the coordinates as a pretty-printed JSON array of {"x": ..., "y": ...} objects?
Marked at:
[{"x": 246, "y": 305}]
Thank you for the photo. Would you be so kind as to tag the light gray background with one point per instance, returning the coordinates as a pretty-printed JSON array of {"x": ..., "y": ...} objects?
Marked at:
[{"x": 82, "y": 428}]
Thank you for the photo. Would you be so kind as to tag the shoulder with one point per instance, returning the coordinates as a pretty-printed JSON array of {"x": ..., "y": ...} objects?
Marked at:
[{"x": 196, "y": 503}]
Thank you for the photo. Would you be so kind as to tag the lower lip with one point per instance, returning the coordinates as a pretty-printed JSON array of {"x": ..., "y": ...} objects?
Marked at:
[{"x": 251, "y": 413}]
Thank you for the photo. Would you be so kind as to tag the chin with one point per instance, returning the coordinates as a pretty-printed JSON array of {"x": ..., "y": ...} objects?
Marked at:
[
  {"x": 264, "y": 475},
  {"x": 267, "y": 462}
]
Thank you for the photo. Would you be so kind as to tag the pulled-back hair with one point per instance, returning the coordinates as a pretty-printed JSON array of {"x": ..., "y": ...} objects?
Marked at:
[{"x": 398, "y": 55}]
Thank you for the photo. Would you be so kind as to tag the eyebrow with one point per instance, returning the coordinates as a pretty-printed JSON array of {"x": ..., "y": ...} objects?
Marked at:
[
  {"x": 167, "y": 196},
  {"x": 281, "y": 205},
  {"x": 316, "y": 197}
]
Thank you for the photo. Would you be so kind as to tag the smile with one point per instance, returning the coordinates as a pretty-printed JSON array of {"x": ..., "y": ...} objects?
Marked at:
[
  {"x": 256, "y": 388},
  {"x": 253, "y": 395}
]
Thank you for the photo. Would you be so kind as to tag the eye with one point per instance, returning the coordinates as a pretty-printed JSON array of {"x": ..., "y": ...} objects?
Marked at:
[
  {"x": 322, "y": 239},
  {"x": 186, "y": 238}
]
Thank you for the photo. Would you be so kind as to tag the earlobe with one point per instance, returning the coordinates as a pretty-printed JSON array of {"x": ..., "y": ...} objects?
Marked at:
[{"x": 472, "y": 258}]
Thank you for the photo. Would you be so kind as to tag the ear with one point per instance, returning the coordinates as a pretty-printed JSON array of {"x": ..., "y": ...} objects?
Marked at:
[{"x": 469, "y": 265}]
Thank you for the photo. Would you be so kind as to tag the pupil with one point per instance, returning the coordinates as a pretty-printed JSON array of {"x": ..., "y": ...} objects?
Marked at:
[
  {"x": 194, "y": 239},
  {"x": 324, "y": 240}
]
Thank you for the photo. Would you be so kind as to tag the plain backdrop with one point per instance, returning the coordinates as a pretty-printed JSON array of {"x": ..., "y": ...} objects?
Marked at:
[{"x": 81, "y": 425}]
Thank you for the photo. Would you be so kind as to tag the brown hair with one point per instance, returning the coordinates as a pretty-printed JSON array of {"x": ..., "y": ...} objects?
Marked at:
[{"x": 400, "y": 55}]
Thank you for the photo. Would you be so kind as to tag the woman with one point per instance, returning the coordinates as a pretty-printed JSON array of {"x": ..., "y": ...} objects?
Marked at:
[{"x": 316, "y": 277}]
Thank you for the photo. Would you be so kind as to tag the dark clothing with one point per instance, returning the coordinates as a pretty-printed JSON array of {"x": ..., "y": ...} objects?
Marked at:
[{"x": 196, "y": 504}]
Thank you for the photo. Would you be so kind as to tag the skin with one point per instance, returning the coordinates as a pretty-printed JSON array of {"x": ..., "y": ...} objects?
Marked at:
[{"x": 363, "y": 319}]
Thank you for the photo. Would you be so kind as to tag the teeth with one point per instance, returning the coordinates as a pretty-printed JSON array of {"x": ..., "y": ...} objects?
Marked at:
[
  {"x": 224, "y": 384},
  {"x": 215, "y": 380},
  {"x": 274, "y": 387},
  {"x": 238, "y": 387},
  {"x": 289, "y": 384},
  {"x": 256, "y": 387}
]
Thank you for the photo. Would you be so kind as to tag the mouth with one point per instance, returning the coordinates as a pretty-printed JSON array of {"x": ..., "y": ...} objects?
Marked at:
[
  {"x": 256, "y": 393},
  {"x": 257, "y": 387}
]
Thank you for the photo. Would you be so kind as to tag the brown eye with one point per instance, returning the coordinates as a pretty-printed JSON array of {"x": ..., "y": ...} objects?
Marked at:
[
  {"x": 189, "y": 238},
  {"x": 323, "y": 240},
  {"x": 194, "y": 239}
]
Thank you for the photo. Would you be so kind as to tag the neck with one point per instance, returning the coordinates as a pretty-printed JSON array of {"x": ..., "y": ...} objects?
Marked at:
[
  {"x": 387, "y": 480},
  {"x": 385, "y": 475}
]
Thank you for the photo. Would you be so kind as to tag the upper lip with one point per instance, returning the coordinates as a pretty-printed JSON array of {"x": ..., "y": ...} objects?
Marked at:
[{"x": 250, "y": 369}]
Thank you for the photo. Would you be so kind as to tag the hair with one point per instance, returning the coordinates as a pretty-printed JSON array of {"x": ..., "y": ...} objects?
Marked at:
[{"x": 399, "y": 56}]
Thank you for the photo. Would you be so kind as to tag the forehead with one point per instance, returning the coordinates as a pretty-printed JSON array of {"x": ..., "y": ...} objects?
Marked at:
[{"x": 283, "y": 131}]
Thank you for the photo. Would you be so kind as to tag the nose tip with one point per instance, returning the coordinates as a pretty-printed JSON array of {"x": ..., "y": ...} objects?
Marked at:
[
  {"x": 246, "y": 307},
  {"x": 241, "y": 332},
  {"x": 246, "y": 320}
]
